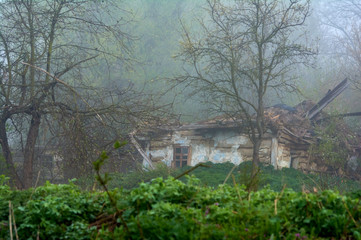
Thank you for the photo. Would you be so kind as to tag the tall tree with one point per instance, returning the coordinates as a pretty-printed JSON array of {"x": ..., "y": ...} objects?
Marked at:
[
  {"x": 53, "y": 36},
  {"x": 341, "y": 25},
  {"x": 245, "y": 48},
  {"x": 342, "y": 22}
]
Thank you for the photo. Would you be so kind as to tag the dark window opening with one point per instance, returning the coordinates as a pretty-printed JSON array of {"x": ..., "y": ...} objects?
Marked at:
[{"x": 181, "y": 156}]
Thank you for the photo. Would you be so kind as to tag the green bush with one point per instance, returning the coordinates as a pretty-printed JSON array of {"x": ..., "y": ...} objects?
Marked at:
[
  {"x": 173, "y": 209},
  {"x": 51, "y": 212},
  {"x": 216, "y": 174},
  {"x": 275, "y": 179},
  {"x": 133, "y": 179},
  {"x": 330, "y": 148}
]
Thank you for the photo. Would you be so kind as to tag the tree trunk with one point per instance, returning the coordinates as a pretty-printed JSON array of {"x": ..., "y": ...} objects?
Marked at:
[
  {"x": 29, "y": 153},
  {"x": 15, "y": 179},
  {"x": 255, "y": 156}
]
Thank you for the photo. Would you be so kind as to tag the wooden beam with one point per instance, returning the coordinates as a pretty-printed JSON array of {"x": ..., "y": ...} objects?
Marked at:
[
  {"x": 353, "y": 114},
  {"x": 140, "y": 150},
  {"x": 329, "y": 97}
]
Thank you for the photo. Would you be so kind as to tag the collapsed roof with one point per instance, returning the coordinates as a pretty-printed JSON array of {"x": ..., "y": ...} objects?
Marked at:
[{"x": 295, "y": 127}]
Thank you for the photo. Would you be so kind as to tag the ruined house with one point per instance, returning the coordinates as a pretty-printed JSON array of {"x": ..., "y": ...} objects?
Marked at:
[
  {"x": 289, "y": 135},
  {"x": 224, "y": 140}
]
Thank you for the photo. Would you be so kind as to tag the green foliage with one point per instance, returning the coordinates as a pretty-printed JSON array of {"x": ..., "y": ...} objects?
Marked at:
[
  {"x": 268, "y": 176},
  {"x": 4, "y": 180},
  {"x": 51, "y": 211},
  {"x": 251, "y": 181},
  {"x": 172, "y": 209},
  {"x": 330, "y": 148},
  {"x": 214, "y": 175},
  {"x": 133, "y": 179},
  {"x": 118, "y": 144},
  {"x": 217, "y": 173}
]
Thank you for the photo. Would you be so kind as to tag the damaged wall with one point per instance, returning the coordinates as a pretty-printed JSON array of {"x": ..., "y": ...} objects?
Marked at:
[
  {"x": 217, "y": 146},
  {"x": 291, "y": 132}
]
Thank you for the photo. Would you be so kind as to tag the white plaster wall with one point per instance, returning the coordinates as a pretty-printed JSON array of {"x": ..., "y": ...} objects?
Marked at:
[
  {"x": 274, "y": 152},
  {"x": 236, "y": 156},
  {"x": 166, "y": 154},
  {"x": 180, "y": 140},
  {"x": 217, "y": 147},
  {"x": 238, "y": 140},
  {"x": 200, "y": 153},
  {"x": 224, "y": 149},
  {"x": 226, "y": 155},
  {"x": 283, "y": 158},
  {"x": 228, "y": 138}
]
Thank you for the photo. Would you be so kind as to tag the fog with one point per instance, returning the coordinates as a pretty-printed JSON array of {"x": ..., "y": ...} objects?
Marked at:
[
  {"x": 328, "y": 30},
  {"x": 75, "y": 76}
]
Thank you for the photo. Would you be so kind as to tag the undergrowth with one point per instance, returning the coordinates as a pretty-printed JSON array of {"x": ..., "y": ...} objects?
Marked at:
[
  {"x": 216, "y": 174},
  {"x": 207, "y": 205},
  {"x": 172, "y": 209}
]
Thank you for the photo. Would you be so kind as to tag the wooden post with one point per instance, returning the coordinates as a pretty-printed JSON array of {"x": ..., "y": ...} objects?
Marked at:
[{"x": 140, "y": 150}]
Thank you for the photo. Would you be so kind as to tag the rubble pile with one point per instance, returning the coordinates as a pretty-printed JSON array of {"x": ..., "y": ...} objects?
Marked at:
[{"x": 296, "y": 132}]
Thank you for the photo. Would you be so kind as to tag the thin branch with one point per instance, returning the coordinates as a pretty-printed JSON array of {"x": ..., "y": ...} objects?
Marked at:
[{"x": 69, "y": 87}]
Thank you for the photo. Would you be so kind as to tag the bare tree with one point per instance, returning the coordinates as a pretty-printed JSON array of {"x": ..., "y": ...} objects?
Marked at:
[
  {"x": 245, "y": 48},
  {"x": 342, "y": 22},
  {"x": 42, "y": 42}
]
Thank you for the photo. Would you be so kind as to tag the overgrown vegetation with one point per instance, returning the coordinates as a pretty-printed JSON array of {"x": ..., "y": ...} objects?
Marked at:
[
  {"x": 216, "y": 174},
  {"x": 216, "y": 207},
  {"x": 172, "y": 209},
  {"x": 330, "y": 148},
  {"x": 49, "y": 212},
  {"x": 74, "y": 78}
]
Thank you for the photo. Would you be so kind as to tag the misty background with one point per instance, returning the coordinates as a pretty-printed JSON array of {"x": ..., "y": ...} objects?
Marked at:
[
  {"x": 132, "y": 52},
  {"x": 157, "y": 27}
]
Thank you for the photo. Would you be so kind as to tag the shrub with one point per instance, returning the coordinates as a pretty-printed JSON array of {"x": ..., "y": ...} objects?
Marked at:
[
  {"x": 330, "y": 148},
  {"x": 51, "y": 212},
  {"x": 172, "y": 209}
]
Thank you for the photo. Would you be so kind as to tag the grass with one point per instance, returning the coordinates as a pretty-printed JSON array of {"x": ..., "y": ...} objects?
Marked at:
[
  {"x": 217, "y": 173},
  {"x": 276, "y": 179}
]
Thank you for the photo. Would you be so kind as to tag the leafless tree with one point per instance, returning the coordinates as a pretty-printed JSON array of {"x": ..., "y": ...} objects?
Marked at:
[
  {"x": 342, "y": 22},
  {"x": 81, "y": 136},
  {"x": 243, "y": 49},
  {"x": 45, "y": 47}
]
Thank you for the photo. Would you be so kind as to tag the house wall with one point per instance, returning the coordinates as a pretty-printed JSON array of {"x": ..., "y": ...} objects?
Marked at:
[{"x": 217, "y": 146}]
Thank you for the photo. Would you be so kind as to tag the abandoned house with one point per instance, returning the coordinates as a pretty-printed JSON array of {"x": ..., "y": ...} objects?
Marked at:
[
  {"x": 289, "y": 135},
  {"x": 223, "y": 140}
]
